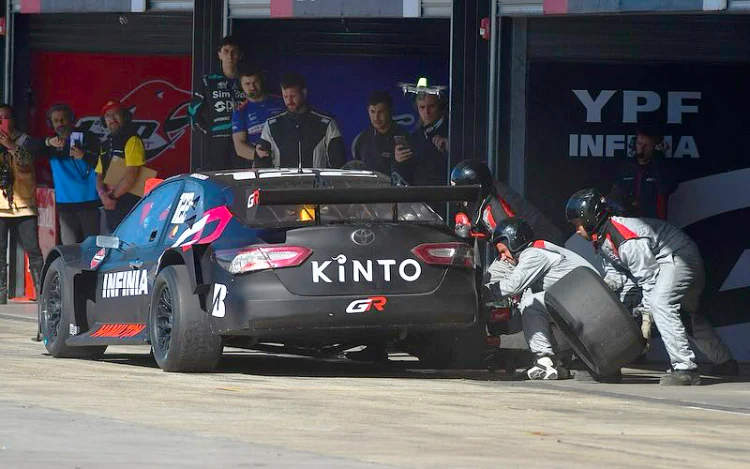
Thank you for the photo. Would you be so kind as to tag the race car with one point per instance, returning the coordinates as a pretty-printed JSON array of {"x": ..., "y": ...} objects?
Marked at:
[{"x": 294, "y": 260}]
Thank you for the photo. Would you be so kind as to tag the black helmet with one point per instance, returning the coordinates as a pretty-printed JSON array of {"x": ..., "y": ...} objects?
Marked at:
[
  {"x": 514, "y": 232},
  {"x": 470, "y": 172},
  {"x": 589, "y": 206}
]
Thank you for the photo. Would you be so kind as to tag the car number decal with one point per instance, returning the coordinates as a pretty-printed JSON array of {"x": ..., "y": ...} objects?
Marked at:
[{"x": 186, "y": 202}]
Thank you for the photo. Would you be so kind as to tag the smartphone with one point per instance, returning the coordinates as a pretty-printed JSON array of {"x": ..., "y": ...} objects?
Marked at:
[
  {"x": 76, "y": 139},
  {"x": 401, "y": 141},
  {"x": 4, "y": 123}
]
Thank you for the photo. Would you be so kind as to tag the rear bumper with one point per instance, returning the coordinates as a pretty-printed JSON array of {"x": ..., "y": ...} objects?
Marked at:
[{"x": 259, "y": 305}]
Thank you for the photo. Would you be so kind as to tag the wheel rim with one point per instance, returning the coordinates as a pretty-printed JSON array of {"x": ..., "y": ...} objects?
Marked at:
[
  {"x": 52, "y": 312},
  {"x": 164, "y": 321}
]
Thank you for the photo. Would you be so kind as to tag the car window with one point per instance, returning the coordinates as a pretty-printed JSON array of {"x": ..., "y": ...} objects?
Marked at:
[
  {"x": 189, "y": 210},
  {"x": 144, "y": 224}
]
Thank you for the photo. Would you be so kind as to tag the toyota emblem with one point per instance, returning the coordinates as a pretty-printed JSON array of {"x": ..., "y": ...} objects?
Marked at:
[{"x": 363, "y": 237}]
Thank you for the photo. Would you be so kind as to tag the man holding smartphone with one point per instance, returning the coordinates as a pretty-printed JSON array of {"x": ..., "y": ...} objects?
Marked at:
[
  {"x": 73, "y": 155},
  {"x": 375, "y": 146}
]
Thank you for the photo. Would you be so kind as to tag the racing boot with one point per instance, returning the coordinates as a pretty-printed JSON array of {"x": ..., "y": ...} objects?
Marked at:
[
  {"x": 681, "y": 378},
  {"x": 545, "y": 368},
  {"x": 728, "y": 368},
  {"x": 371, "y": 353}
]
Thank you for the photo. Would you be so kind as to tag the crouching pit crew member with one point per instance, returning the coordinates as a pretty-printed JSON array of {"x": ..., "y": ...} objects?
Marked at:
[
  {"x": 538, "y": 265},
  {"x": 667, "y": 267}
]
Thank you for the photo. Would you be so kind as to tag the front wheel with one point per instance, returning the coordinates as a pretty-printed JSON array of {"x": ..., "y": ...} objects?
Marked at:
[
  {"x": 179, "y": 329},
  {"x": 56, "y": 315}
]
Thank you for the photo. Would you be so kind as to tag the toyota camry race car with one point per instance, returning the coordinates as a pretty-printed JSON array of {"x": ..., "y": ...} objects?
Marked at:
[{"x": 303, "y": 259}]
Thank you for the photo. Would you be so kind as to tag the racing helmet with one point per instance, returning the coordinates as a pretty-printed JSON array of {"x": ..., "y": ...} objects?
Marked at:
[
  {"x": 589, "y": 206},
  {"x": 470, "y": 172},
  {"x": 514, "y": 232}
]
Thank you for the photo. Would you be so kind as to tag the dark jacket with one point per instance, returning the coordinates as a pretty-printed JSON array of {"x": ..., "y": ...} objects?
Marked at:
[
  {"x": 642, "y": 190},
  {"x": 321, "y": 142},
  {"x": 429, "y": 165},
  {"x": 376, "y": 150}
]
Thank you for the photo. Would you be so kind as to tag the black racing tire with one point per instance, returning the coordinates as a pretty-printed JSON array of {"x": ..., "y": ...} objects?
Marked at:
[
  {"x": 179, "y": 330},
  {"x": 598, "y": 327},
  {"x": 56, "y": 315}
]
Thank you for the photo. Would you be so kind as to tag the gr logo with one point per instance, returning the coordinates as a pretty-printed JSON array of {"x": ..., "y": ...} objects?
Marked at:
[
  {"x": 219, "y": 309},
  {"x": 365, "y": 304}
]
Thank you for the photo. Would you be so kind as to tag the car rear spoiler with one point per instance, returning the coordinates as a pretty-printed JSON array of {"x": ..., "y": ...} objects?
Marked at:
[{"x": 372, "y": 195}]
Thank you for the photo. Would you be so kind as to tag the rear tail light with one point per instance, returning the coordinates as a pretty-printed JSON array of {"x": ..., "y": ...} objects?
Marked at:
[
  {"x": 261, "y": 257},
  {"x": 455, "y": 254}
]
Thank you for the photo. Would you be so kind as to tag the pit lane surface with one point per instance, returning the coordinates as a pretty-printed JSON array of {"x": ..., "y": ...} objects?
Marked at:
[{"x": 264, "y": 410}]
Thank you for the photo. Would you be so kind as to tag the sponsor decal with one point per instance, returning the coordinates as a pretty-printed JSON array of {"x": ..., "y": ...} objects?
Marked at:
[
  {"x": 98, "y": 258},
  {"x": 202, "y": 177},
  {"x": 363, "y": 237},
  {"x": 219, "y": 309},
  {"x": 252, "y": 199},
  {"x": 366, "y": 304},
  {"x": 119, "y": 330},
  {"x": 195, "y": 235},
  {"x": 127, "y": 283},
  {"x": 185, "y": 203},
  {"x": 363, "y": 270},
  {"x": 73, "y": 329}
]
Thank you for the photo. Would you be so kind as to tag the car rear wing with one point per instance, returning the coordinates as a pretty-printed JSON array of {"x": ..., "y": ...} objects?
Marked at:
[{"x": 366, "y": 195}]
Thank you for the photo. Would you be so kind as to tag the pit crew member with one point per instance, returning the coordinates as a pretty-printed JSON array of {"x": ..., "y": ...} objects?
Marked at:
[
  {"x": 667, "y": 266},
  {"x": 538, "y": 265}
]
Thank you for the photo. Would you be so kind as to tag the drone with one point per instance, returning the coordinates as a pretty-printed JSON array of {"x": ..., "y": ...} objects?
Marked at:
[{"x": 421, "y": 88}]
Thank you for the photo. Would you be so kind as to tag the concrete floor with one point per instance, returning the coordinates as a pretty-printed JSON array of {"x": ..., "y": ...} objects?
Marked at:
[{"x": 280, "y": 411}]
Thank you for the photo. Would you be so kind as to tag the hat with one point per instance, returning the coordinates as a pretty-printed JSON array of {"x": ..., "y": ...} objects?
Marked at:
[{"x": 109, "y": 105}]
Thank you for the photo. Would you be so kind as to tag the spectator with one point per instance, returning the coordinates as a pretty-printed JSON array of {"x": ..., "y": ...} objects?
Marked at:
[
  {"x": 429, "y": 143},
  {"x": 642, "y": 189},
  {"x": 249, "y": 117},
  {"x": 122, "y": 142},
  {"x": 375, "y": 146},
  {"x": 212, "y": 106},
  {"x": 301, "y": 136},
  {"x": 73, "y": 155},
  {"x": 17, "y": 198}
]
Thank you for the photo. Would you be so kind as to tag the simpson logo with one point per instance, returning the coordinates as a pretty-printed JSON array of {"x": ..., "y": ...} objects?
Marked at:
[
  {"x": 128, "y": 283},
  {"x": 362, "y": 271},
  {"x": 98, "y": 258},
  {"x": 366, "y": 304}
]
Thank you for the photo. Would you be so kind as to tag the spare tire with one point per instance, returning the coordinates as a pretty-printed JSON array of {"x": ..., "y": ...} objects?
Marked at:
[{"x": 599, "y": 328}]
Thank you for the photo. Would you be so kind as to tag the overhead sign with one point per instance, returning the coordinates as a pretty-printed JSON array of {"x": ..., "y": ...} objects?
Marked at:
[
  {"x": 82, "y": 6},
  {"x": 338, "y": 8},
  {"x": 562, "y": 7}
]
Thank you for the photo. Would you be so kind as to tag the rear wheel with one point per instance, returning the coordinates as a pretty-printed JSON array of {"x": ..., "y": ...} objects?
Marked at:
[
  {"x": 179, "y": 329},
  {"x": 598, "y": 327},
  {"x": 57, "y": 315}
]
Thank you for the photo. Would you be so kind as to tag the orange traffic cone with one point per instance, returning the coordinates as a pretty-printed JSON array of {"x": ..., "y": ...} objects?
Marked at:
[{"x": 28, "y": 284}]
